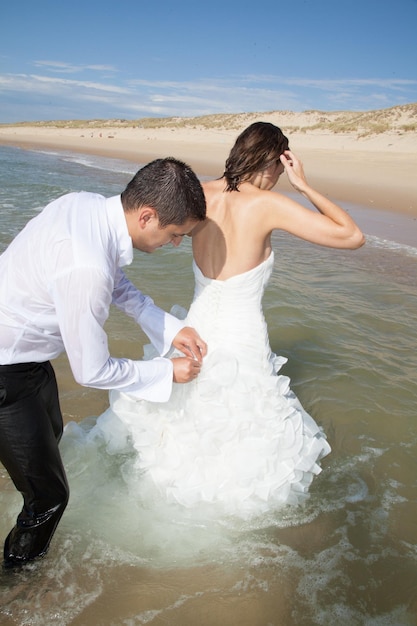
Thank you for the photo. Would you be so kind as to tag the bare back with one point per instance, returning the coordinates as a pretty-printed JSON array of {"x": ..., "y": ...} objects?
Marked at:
[{"x": 233, "y": 238}]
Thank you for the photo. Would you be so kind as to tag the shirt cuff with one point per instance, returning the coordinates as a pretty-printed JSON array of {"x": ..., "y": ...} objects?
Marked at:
[{"x": 156, "y": 378}]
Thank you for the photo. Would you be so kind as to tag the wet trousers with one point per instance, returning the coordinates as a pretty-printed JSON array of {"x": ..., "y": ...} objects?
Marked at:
[{"x": 31, "y": 426}]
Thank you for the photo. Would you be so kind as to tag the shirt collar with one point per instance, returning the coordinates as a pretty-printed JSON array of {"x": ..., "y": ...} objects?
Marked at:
[{"x": 117, "y": 219}]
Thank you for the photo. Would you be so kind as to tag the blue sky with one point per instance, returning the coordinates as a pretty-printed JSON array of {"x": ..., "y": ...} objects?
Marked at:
[{"x": 130, "y": 59}]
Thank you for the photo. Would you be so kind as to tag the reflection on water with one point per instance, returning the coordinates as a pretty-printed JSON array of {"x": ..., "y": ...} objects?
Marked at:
[{"x": 347, "y": 323}]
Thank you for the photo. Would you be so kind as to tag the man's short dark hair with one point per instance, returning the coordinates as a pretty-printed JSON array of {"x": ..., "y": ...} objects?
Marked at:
[{"x": 171, "y": 188}]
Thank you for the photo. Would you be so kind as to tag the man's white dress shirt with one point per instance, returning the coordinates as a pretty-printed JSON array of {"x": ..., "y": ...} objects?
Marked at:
[{"x": 58, "y": 278}]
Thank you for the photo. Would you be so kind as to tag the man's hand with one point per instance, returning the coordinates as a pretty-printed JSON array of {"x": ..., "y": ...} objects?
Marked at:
[
  {"x": 189, "y": 342},
  {"x": 185, "y": 369}
]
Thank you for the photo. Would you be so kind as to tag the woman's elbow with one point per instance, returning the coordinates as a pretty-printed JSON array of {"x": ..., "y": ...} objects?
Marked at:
[
  {"x": 351, "y": 238},
  {"x": 357, "y": 240}
]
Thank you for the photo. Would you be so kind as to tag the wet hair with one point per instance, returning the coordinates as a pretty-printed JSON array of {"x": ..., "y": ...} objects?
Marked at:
[
  {"x": 257, "y": 147},
  {"x": 171, "y": 188}
]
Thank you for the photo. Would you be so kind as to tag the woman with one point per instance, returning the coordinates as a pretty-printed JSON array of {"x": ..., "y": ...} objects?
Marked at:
[{"x": 237, "y": 436}]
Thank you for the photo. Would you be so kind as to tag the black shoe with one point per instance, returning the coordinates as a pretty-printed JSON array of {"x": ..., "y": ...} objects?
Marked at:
[{"x": 21, "y": 546}]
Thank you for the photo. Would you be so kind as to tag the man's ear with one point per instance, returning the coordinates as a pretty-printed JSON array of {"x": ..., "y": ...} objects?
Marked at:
[{"x": 145, "y": 215}]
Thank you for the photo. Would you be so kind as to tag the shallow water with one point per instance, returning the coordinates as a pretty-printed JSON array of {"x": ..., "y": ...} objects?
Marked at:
[{"x": 347, "y": 323}]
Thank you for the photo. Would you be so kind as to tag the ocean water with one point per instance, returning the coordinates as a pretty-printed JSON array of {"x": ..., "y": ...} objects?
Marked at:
[{"x": 347, "y": 321}]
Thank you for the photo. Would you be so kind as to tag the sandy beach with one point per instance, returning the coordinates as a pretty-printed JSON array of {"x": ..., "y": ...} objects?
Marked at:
[
  {"x": 373, "y": 170},
  {"x": 345, "y": 320}
]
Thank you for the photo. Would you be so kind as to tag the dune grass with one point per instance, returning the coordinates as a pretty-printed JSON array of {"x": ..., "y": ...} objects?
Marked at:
[{"x": 399, "y": 119}]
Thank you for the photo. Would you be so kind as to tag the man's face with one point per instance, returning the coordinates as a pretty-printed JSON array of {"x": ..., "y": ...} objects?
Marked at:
[{"x": 154, "y": 236}]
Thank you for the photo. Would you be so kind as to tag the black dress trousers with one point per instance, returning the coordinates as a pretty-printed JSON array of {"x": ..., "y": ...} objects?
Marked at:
[{"x": 31, "y": 427}]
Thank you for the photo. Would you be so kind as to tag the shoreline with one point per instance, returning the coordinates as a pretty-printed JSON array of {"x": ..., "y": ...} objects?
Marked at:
[{"x": 377, "y": 174}]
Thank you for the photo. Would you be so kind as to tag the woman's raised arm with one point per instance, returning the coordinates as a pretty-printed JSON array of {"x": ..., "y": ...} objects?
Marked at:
[{"x": 331, "y": 226}]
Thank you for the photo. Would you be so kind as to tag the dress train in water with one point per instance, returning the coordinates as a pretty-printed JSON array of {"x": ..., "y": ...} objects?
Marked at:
[{"x": 237, "y": 436}]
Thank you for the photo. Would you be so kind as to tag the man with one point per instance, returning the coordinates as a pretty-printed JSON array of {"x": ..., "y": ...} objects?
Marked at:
[{"x": 57, "y": 281}]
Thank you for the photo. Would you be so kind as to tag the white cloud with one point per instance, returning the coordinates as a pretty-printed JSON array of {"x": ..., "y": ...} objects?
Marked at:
[
  {"x": 330, "y": 84},
  {"x": 35, "y": 82},
  {"x": 71, "y": 97},
  {"x": 69, "y": 68},
  {"x": 81, "y": 84}
]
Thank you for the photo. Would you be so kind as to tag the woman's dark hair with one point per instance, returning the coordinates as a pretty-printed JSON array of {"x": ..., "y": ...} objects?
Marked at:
[
  {"x": 258, "y": 146},
  {"x": 171, "y": 188}
]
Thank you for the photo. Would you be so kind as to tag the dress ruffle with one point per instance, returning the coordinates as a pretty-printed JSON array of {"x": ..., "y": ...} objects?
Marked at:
[{"x": 237, "y": 436}]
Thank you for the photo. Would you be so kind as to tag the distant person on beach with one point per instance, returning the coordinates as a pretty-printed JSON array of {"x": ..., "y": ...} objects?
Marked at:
[
  {"x": 237, "y": 436},
  {"x": 58, "y": 279}
]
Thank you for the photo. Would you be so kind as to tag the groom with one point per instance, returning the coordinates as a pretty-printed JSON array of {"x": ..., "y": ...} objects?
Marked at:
[{"x": 57, "y": 281}]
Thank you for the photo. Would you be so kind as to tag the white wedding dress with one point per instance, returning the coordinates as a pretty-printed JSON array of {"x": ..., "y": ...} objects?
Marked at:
[{"x": 237, "y": 436}]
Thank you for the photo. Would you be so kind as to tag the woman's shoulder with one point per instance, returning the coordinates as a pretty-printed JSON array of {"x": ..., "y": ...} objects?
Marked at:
[
  {"x": 248, "y": 201},
  {"x": 215, "y": 186},
  {"x": 252, "y": 199}
]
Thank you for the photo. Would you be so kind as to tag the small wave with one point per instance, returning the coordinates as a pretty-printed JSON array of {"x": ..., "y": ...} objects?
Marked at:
[
  {"x": 101, "y": 163},
  {"x": 387, "y": 244},
  {"x": 95, "y": 162}
]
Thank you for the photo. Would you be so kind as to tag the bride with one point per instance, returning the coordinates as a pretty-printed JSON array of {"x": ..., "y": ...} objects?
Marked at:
[{"x": 237, "y": 436}]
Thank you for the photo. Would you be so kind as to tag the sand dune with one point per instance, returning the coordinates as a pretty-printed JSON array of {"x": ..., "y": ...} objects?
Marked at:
[{"x": 368, "y": 158}]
